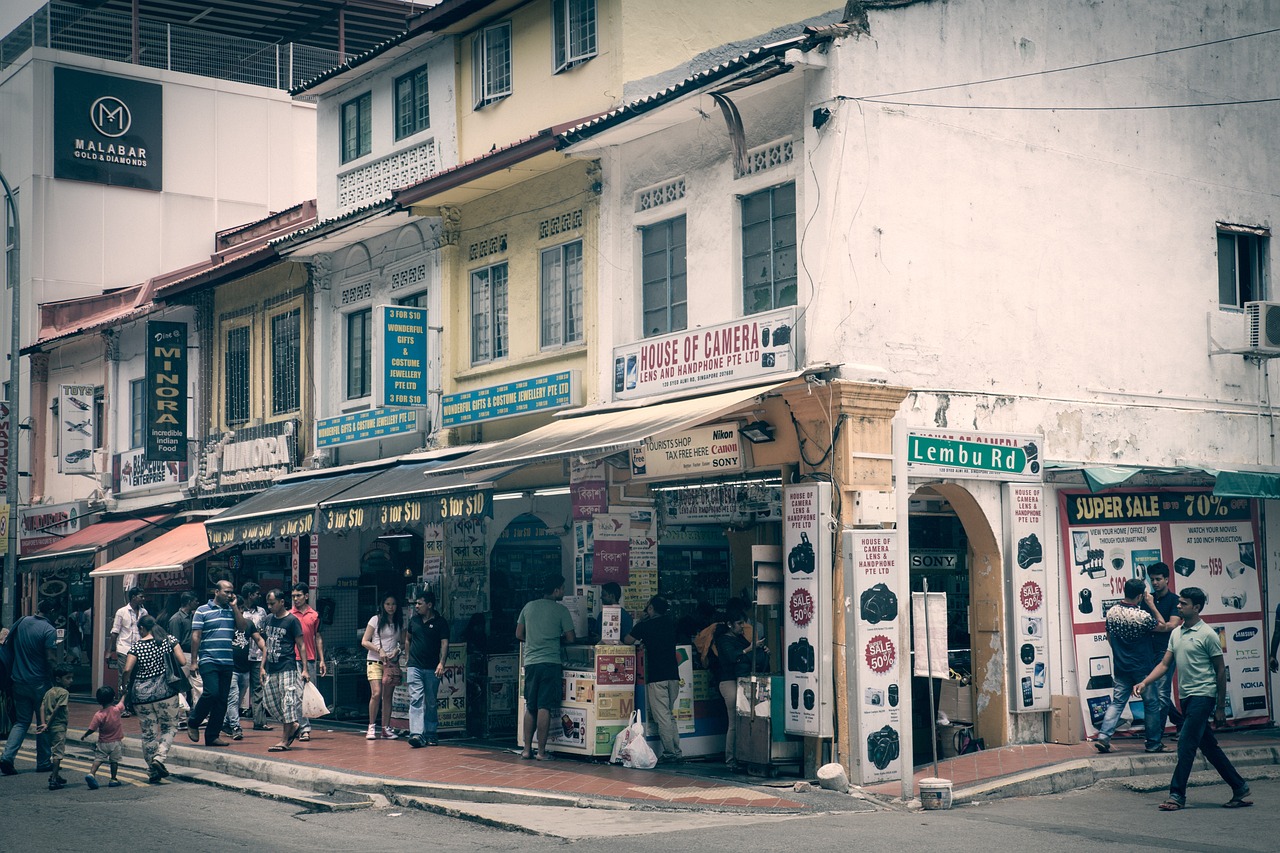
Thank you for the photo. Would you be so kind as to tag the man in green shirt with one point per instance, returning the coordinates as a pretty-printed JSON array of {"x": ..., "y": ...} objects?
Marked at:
[
  {"x": 1202, "y": 685},
  {"x": 544, "y": 624}
]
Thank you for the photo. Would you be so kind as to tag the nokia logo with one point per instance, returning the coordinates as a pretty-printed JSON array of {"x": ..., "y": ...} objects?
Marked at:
[
  {"x": 110, "y": 116},
  {"x": 1251, "y": 685},
  {"x": 1244, "y": 634}
]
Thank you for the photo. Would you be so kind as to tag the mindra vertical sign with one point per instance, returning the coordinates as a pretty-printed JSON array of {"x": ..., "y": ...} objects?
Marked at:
[{"x": 166, "y": 420}]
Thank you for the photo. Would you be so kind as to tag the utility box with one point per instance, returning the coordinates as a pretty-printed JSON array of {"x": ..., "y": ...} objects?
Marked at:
[{"x": 1065, "y": 723}]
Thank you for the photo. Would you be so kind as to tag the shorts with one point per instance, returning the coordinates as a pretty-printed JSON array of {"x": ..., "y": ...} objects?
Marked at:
[
  {"x": 389, "y": 674},
  {"x": 543, "y": 686},
  {"x": 112, "y": 751},
  {"x": 282, "y": 695},
  {"x": 57, "y": 742}
]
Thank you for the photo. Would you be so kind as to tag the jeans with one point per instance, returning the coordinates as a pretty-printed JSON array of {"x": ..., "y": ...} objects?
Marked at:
[
  {"x": 1120, "y": 697},
  {"x": 423, "y": 686},
  {"x": 239, "y": 687},
  {"x": 213, "y": 701},
  {"x": 304, "y": 725},
  {"x": 1168, "y": 713},
  {"x": 660, "y": 696},
  {"x": 26, "y": 699},
  {"x": 1197, "y": 712},
  {"x": 255, "y": 693}
]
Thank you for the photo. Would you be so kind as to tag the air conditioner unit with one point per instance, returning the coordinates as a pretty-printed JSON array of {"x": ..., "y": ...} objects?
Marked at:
[{"x": 1262, "y": 326}]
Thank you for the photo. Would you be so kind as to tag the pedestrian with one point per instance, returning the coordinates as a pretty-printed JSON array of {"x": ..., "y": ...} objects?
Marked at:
[
  {"x": 610, "y": 596},
  {"x": 314, "y": 643},
  {"x": 35, "y": 643},
  {"x": 283, "y": 670},
  {"x": 244, "y": 642},
  {"x": 251, "y": 602},
  {"x": 657, "y": 633},
  {"x": 383, "y": 639},
  {"x": 110, "y": 745},
  {"x": 732, "y": 662},
  {"x": 52, "y": 722},
  {"x": 544, "y": 625},
  {"x": 1163, "y": 604},
  {"x": 148, "y": 689},
  {"x": 1202, "y": 689},
  {"x": 212, "y": 630},
  {"x": 180, "y": 622},
  {"x": 427, "y": 646},
  {"x": 124, "y": 629},
  {"x": 1129, "y": 625}
]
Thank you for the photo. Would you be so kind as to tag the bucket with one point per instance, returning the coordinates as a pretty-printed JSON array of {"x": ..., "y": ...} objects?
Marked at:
[{"x": 935, "y": 793}]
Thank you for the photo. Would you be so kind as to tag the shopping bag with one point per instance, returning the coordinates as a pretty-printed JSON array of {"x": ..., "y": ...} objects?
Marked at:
[
  {"x": 631, "y": 749},
  {"x": 313, "y": 705},
  {"x": 197, "y": 686}
]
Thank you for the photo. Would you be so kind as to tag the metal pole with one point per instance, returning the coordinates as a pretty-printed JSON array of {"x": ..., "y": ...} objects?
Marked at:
[
  {"x": 11, "y": 490},
  {"x": 928, "y": 663}
]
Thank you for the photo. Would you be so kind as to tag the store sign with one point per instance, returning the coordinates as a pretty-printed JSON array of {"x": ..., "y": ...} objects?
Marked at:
[
  {"x": 166, "y": 417},
  {"x": 715, "y": 449},
  {"x": 718, "y": 504},
  {"x": 166, "y": 582},
  {"x": 39, "y": 526},
  {"x": 542, "y": 393},
  {"x": 611, "y": 534},
  {"x": 79, "y": 425},
  {"x": 1208, "y": 541},
  {"x": 365, "y": 426},
  {"x": 871, "y": 568},
  {"x": 4, "y": 448},
  {"x": 107, "y": 130},
  {"x": 1028, "y": 591},
  {"x": 400, "y": 341},
  {"x": 806, "y": 602},
  {"x": 286, "y": 525},
  {"x": 131, "y": 473},
  {"x": 754, "y": 346},
  {"x": 973, "y": 455},
  {"x": 249, "y": 458}
]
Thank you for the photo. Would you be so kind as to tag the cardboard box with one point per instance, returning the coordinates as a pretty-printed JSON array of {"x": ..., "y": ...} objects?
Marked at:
[
  {"x": 1066, "y": 724},
  {"x": 956, "y": 701}
]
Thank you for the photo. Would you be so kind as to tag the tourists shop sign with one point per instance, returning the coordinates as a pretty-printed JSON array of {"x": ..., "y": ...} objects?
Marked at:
[
  {"x": 365, "y": 426},
  {"x": 400, "y": 340},
  {"x": 542, "y": 393},
  {"x": 166, "y": 417},
  {"x": 107, "y": 129},
  {"x": 711, "y": 449},
  {"x": 759, "y": 345},
  {"x": 973, "y": 455}
]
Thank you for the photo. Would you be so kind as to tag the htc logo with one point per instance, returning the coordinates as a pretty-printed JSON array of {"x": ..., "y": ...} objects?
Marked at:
[{"x": 110, "y": 116}]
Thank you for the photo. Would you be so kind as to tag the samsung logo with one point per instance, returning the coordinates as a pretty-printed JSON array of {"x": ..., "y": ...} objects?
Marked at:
[{"x": 1244, "y": 634}]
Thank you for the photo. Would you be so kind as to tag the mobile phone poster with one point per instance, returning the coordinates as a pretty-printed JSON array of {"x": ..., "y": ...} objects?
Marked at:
[{"x": 1207, "y": 541}]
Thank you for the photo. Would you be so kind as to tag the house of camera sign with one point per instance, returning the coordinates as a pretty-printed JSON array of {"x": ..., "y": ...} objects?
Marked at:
[{"x": 974, "y": 455}]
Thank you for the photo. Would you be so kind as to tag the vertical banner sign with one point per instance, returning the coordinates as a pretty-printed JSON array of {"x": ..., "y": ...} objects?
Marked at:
[
  {"x": 313, "y": 565},
  {"x": 807, "y": 667},
  {"x": 295, "y": 559},
  {"x": 400, "y": 335},
  {"x": 612, "y": 534},
  {"x": 589, "y": 489},
  {"x": 4, "y": 448},
  {"x": 77, "y": 413},
  {"x": 1207, "y": 541},
  {"x": 875, "y": 698},
  {"x": 166, "y": 418},
  {"x": 1027, "y": 591}
]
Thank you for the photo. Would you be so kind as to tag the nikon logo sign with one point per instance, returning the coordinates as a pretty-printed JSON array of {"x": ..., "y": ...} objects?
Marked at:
[{"x": 988, "y": 456}]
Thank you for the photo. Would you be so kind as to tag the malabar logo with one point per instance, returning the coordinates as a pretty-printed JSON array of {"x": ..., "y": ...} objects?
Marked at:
[{"x": 110, "y": 116}]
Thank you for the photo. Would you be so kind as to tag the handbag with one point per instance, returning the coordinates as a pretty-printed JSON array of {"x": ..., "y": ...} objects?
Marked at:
[{"x": 177, "y": 675}]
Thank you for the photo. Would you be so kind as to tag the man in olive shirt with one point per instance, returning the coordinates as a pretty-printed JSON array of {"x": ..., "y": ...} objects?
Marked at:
[
  {"x": 657, "y": 633},
  {"x": 543, "y": 625}
]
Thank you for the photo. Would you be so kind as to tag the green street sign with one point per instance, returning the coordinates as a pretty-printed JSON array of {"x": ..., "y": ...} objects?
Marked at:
[{"x": 991, "y": 456}]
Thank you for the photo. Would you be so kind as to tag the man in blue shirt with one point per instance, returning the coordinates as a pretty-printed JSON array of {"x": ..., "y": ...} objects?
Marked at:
[
  {"x": 212, "y": 629},
  {"x": 34, "y": 652},
  {"x": 1129, "y": 626}
]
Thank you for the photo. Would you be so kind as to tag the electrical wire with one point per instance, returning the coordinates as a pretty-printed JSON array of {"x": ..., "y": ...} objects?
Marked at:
[{"x": 1062, "y": 109}]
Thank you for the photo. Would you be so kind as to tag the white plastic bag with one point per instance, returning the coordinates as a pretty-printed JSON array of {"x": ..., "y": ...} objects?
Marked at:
[
  {"x": 313, "y": 705},
  {"x": 631, "y": 749},
  {"x": 197, "y": 686}
]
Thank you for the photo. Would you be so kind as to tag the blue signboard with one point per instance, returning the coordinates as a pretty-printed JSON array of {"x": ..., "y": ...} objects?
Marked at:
[
  {"x": 554, "y": 391},
  {"x": 403, "y": 378},
  {"x": 366, "y": 425}
]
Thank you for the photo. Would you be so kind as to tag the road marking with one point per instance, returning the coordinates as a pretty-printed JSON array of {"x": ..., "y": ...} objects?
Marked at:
[
  {"x": 80, "y": 767},
  {"x": 722, "y": 793}
]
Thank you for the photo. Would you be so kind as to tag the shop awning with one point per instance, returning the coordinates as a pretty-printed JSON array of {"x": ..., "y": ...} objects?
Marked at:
[
  {"x": 400, "y": 496},
  {"x": 1247, "y": 484},
  {"x": 1228, "y": 484},
  {"x": 602, "y": 434},
  {"x": 283, "y": 510},
  {"x": 170, "y": 552},
  {"x": 89, "y": 540}
]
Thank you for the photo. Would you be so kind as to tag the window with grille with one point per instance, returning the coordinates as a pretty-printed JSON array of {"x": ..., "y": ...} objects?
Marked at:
[
  {"x": 491, "y": 64},
  {"x": 562, "y": 295},
  {"x": 575, "y": 32},
  {"x": 235, "y": 371},
  {"x": 414, "y": 300},
  {"x": 137, "y": 411},
  {"x": 489, "y": 313},
  {"x": 286, "y": 361},
  {"x": 357, "y": 127},
  {"x": 413, "y": 107},
  {"x": 359, "y": 353},
  {"x": 1242, "y": 265},
  {"x": 769, "y": 249},
  {"x": 662, "y": 277}
]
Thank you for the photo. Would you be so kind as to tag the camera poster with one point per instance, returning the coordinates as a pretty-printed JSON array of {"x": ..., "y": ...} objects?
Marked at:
[
  {"x": 1026, "y": 578},
  {"x": 1207, "y": 541},
  {"x": 806, "y": 631},
  {"x": 870, "y": 558}
]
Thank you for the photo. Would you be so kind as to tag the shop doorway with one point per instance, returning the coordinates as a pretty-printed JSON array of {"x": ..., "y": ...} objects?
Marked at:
[{"x": 525, "y": 553}]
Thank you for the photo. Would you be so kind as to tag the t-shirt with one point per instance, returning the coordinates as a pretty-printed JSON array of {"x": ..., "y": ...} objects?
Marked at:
[
  {"x": 217, "y": 627},
  {"x": 424, "y": 640},
  {"x": 33, "y": 636},
  {"x": 150, "y": 655},
  {"x": 54, "y": 708},
  {"x": 106, "y": 723},
  {"x": 310, "y": 620},
  {"x": 659, "y": 638},
  {"x": 281, "y": 634},
  {"x": 242, "y": 646},
  {"x": 1194, "y": 650},
  {"x": 1168, "y": 608},
  {"x": 258, "y": 616},
  {"x": 1129, "y": 630},
  {"x": 125, "y": 627},
  {"x": 180, "y": 629},
  {"x": 388, "y": 640},
  {"x": 545, "y": 622}
]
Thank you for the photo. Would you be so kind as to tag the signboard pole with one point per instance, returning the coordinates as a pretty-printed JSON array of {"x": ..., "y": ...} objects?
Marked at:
[
  {"x": 901, "y": 584},
  {"x": 9, "y": 592},
  {"x": 928, "y": 658}
]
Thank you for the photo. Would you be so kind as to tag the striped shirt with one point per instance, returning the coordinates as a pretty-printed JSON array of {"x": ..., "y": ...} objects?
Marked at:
[{"x": 217, "y": 626}]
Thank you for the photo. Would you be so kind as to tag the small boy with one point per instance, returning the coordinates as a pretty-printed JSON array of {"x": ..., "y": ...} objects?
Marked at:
[
  {"x": 110, "y": 746},
  {"x": 52, "y": 718}
]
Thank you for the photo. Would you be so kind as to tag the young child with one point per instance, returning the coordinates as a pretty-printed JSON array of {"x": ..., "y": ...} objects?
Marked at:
[
  {"x": 110, "y": 731},
  {"x": 52, "y": 718}
]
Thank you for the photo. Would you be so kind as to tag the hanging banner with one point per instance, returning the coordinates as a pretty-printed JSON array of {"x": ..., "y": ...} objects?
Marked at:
[
  {"x": 1027, "y": 591},
  {"x": 400, "y": 350},
  {"x": 166, "y": 418},
  {"x": 870, "y": 558},
  {"x": 589, "y": 488},
  {"x": 929, "y": 631},
  {"x": 807, "y": 664},
  {"x": 79, "y": 425},
  {"x": 4, "y": 448},
  {"x": 612, "y": 548},
  {"x": 1207, "y": 541}
]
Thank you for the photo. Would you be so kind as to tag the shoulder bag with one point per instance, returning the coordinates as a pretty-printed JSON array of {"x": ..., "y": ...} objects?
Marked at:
[{"x": 157, "y": 687}]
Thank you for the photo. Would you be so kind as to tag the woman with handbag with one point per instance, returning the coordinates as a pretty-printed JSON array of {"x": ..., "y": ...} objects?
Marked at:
[
  {"x": 153, "y": 677},
  {"x": 383, "y": 639}
]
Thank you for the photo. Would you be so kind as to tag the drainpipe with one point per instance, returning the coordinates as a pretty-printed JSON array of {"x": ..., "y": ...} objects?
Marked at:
[{"x": 11, "y": 485}]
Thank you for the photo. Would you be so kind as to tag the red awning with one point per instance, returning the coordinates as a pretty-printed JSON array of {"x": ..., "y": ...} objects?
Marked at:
[
  {"x": 172, "y": 552},
  {"x": 95, "y": 537}
]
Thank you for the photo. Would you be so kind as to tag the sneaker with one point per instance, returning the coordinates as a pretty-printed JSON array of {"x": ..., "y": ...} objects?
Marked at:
[
  {"x": 91, "y": 782},
  {"x": 1103, "y": 745},
  {"x": 55, "y": 785},
  {"x": 193, "y": 732},
  {"x": 1157, "y": 748},
  {"x": 372, "y": 734},
  {"x": 161, "y": 769},
  {"x": 153, "y": 776},
  {"x": 432, "y": 740},
  {"x": 7, "y": 768},
  {"x": 237, "y": 733},
  {"x": 389, "y": 733},
  {"x": 416, "y": 742},
  {"x": 114, "y": 783}
]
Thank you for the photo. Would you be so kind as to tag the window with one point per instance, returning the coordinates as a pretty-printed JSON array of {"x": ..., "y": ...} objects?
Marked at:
[
  {"x": 357, "y": 127},
  {"x": 491, "y": 64},
  {"x": 663, "y": 277},
  {"x": 414, "y": 300},
  {"x": 137, "y": 411},
  {"x": 562, "y": 295},
  {"x": 413, "y": 109},
  {"x": 286, "y": 361},
  {"x": 1242, "y": 265},
  {"x": 359, "y": 353},
  {"x": 489, "y": 313},
  {"x": 769, "y": 249},
  {"x": 574, "y": 22},
  {"x": 235, "y": 370}
]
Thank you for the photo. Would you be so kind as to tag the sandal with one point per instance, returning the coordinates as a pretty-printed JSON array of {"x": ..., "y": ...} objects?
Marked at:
[
  {"x": 527, "y": 756},
  {"x": 1238, "y": 802},
  {"x": 280, "y": 747},
  {"x": 305, "y": 737},
  {"x": 1172, "y": 805}
]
